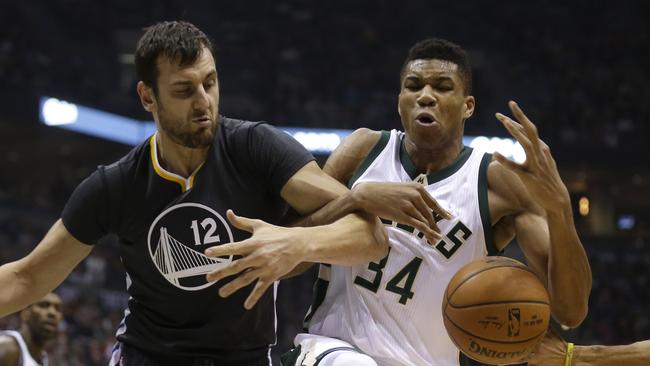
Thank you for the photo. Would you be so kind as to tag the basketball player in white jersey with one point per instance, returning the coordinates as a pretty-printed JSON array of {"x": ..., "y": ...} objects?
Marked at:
[
  {"x": 40, "y": 324},
  {"x": 444, "y": 205}
]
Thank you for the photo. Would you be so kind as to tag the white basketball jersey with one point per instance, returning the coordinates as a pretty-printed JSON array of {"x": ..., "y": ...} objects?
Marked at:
[
  {"x": 26, "y": 358},
  {"x": 391, "y": 309}
]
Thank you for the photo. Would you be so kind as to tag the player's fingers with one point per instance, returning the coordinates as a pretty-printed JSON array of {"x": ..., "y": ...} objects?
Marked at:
[
  {"x": 528, "y": 125},
  {"x": 230, "y": 269},
  {"x": 422, "y": 207},
  {"x": 415, "y": 215},
  {"x": 434, "y": 205},
  {"x": 517, "y": 131},
  {"x": 243, "y": 280},
  {"x": 242, "y": 223},
  {"x": 423, "y": 227},
  {"x": 546, "y": 154},
  {"x": 243, "y": 247},
  {"x": 260, "y": 288}
]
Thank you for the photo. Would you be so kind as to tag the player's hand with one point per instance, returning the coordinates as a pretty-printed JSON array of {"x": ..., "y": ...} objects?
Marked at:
[
  {"x": 539, "y": 172},
  {"x": 269, "y": 254},
  {"x": 551, "y": 351},
  {"x": 406, "y": 203}
]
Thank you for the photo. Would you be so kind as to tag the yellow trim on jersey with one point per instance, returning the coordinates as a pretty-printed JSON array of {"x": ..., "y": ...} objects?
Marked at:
[{"x": 186, "y": 184}]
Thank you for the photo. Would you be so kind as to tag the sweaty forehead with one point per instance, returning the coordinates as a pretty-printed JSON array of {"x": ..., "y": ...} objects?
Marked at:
[{"x": 431, "y": 67}]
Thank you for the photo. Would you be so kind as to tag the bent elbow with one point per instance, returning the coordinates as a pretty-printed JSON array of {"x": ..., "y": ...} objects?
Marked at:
[{"x": 572, "y": 317}]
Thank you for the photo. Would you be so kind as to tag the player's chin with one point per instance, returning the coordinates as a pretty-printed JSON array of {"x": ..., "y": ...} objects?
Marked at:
[
  {"x": 48, "y": 332},
  {"x": 203, "y": 137}
]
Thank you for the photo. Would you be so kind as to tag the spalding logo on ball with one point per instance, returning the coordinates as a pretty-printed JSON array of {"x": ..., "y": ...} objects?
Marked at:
[{"x": 496, "y": 310}]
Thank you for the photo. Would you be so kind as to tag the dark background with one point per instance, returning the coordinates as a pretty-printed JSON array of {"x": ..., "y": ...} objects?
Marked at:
[{"x": 579, "y": 69}]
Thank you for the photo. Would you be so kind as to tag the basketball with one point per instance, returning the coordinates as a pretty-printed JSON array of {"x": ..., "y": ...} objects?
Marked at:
[{"x": 496, "y": 310}]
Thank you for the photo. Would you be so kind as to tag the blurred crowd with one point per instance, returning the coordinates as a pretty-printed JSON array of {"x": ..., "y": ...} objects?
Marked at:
[{"x": 579, "y": 68}]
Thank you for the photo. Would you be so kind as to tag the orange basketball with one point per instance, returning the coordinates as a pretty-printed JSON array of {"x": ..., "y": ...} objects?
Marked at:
[{"x": 495, "y": 310}]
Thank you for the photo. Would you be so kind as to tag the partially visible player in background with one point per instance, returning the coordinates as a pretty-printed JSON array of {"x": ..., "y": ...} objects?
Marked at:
[
  {"x": 39, "y": 325},
  {"x": 423, "y": 183},
  {"x": 554, "y": 351}
]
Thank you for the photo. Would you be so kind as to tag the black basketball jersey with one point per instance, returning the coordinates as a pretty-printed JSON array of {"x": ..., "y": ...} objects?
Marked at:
[{"x": 165, "y": 222}]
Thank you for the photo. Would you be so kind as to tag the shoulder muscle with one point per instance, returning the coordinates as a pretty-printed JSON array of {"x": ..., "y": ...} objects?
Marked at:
[
  {"x": 347, "y": 157},
  {"x": 9, "y": 351}
]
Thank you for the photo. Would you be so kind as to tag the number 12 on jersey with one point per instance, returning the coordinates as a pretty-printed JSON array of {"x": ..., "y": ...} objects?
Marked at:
[
  {"x": 209, "y": 237},
  {"x": 400, "y": 284}
]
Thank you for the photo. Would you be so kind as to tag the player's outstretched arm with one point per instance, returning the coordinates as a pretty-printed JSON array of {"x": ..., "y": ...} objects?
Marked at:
[
  {"x": 553, "y": 351},
  {"x": 273, "y": 251},
  {"x": 549, "y": 236},
  {"x": 404, "y": 202},
  {"x": 28, "y": 279}
]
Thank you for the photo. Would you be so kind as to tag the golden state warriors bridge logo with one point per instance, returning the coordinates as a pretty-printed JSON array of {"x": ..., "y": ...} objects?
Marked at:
[{"x": 177, "y": 239}]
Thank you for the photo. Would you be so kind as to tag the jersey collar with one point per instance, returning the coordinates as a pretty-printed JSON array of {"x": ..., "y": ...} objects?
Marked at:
[
  {"x": 186, "y": 183},
  {"x": 439, "y": 175}
]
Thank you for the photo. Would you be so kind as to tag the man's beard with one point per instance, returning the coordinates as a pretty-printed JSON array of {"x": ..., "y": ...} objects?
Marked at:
[{"x": 180, "y": 132}]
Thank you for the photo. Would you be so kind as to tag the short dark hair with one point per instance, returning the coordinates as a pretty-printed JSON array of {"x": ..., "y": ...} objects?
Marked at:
[
  {"x": 440, "y": 49},
  {"x": 179, "y": 41}
]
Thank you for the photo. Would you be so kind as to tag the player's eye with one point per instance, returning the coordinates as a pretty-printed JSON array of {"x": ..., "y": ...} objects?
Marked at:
[
  {"x": 183, "y": 92},
  {"x": 411, "y": 86}
]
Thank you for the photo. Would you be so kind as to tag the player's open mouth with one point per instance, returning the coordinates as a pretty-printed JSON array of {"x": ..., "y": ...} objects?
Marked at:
[{"x": 425, "y": 118}]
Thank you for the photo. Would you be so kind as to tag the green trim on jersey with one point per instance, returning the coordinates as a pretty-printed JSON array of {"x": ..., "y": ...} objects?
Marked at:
[
  {"x": 433, "y": 177},
  {"x": 372, "y": 155},
  {"x": 319, "y": 292},
  {"x": 484, "y": 207},
  {"x": 290, "y": 358}
]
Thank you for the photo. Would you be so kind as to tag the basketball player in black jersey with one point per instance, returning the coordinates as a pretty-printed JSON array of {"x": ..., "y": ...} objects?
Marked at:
[{"x": 173, "y": 197}]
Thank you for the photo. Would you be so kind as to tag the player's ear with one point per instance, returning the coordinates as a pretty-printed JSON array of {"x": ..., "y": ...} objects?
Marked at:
[
  {"x": 468, "y": 106},
  {"x": 399, "y": 109},
  {"x": 146, "y": 96}
]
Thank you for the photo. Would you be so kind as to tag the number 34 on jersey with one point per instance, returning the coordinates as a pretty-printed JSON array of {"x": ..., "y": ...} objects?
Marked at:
[{"x": 402, "y": 282}]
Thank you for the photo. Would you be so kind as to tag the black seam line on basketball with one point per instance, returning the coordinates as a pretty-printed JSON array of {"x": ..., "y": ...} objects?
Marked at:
[
  {"x": 487, "y": 269},
  {"x": 497, "y": 303},
  {"x": 492, "y": 340}
]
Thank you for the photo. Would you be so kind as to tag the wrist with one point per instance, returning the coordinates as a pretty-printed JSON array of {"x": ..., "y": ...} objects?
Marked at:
[
  {"x": 355, "y": 199},
  {"x": 561, "y": 211},
  {"x": 582, "y": 356},
  {"x": 306, "y": 244}
]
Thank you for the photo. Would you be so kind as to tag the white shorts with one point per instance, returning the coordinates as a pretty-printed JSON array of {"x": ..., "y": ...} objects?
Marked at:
[{"x": 311, "y": 349}]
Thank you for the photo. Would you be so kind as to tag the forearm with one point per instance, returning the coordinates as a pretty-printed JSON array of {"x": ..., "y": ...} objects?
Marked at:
[
  {"x": 16, "y": 289},
  {"x": 637, "y": 354},
  {"x": 353, "y": 239},
  {"x": 25, "y": 281},
  {"x": 332, "y": 211},
  {"x": 568, "y": 269}
]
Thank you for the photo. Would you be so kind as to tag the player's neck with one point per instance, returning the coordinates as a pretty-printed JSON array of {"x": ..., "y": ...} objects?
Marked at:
[
  {"x": 428, "y": 160},
  {"x": 35, "y": 346},
  {"x": 178, "y": 159}
]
